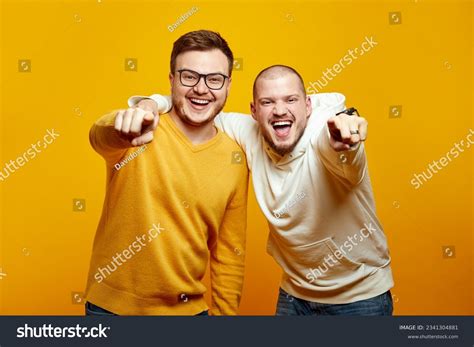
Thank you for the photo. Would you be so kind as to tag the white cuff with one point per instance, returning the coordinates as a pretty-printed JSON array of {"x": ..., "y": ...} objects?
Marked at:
[{"x": 164, "y": 103}]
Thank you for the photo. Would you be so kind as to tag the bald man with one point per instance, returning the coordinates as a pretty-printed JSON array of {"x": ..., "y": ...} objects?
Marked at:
[{"x": 311, "y": 181}]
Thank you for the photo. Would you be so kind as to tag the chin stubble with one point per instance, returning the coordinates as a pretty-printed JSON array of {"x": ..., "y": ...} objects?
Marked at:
[{"x": 282, "y": 150}]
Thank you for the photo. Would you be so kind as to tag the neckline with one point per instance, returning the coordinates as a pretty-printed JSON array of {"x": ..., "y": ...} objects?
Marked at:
[{"x": 185, "y": 140}]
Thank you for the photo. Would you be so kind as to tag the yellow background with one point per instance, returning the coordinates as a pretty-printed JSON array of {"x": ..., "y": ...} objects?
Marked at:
[{"x": 78, "y": 50}]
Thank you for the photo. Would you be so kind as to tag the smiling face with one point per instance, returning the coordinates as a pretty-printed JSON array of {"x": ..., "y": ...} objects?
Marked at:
[
  {"x": 281, "y": 108},
  {"x": 199, "y": 105}
]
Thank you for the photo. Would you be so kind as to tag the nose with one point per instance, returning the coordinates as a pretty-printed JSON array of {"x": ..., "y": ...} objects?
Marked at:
[
  {"x": 280, "y": 109},
  {"x": 201, "y": 87}
]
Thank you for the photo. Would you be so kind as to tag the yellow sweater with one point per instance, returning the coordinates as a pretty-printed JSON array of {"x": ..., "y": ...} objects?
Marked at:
[{"x": 169, "y": 206}]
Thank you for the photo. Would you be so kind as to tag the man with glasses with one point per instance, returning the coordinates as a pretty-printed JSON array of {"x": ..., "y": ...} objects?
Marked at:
[{"x": 174, "y": 202}]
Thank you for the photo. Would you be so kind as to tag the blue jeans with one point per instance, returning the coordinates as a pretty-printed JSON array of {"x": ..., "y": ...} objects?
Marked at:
[
  {"x": 94, "y": 310},
  {"x": 288, "y": 305}
]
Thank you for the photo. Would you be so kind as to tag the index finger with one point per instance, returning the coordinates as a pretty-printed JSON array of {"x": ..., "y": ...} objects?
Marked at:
[{"x": 137, "y": 121}]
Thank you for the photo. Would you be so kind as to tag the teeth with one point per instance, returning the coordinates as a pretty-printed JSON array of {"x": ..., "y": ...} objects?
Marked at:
[
  {"x": 281, "y": 123},
  {"x": 199, "y": 101}
]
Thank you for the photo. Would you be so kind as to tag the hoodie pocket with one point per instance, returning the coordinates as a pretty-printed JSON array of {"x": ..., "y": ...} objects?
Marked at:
[{"x": 324, "y": 264}]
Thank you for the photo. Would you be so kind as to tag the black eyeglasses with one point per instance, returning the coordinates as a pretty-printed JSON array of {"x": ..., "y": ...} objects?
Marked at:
[{"x": 190, "y": 78}]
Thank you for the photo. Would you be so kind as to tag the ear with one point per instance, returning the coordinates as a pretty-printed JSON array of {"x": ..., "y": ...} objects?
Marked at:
[
  {"x": 171, "y": 78},
  {"x": 253, "y": 110},
  {"x": 309, "y": 107},
  {"x": 229, "y": 85}
]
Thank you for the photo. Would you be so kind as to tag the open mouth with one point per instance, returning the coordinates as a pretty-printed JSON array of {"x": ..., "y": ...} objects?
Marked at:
[
  {"x": 199, "y": 103},
  {"x": 282, "y": 127}
]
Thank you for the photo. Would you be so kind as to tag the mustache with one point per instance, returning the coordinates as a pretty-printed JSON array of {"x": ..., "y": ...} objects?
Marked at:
[{"x": 287, "y": 117}]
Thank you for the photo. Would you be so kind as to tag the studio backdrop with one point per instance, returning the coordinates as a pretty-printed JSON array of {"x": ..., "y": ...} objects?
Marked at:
[{"x": 406, "y": 66}]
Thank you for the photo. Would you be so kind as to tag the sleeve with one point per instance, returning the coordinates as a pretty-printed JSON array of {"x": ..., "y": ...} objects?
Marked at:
[
  {"x": 163, "y": 102},
  {"x": 324, "y": 105},
  {"x": 241, "y": 128},
  {"x": 349, "y": 165},
  {"x": 228, "y": 255},
  {"x": 106, "y": 141}
]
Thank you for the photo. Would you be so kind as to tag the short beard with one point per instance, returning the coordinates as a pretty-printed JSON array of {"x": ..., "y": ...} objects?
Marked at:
[{"x": 282, "y": 150}]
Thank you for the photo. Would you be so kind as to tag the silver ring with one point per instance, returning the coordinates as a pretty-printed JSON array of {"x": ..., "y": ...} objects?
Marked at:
[{"x": 354, "y": 132}]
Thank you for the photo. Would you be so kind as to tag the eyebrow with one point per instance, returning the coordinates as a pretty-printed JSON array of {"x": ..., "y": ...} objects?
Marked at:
[
  {"x": 285, "y": 97},
  {"x": 210, "y": 73}
]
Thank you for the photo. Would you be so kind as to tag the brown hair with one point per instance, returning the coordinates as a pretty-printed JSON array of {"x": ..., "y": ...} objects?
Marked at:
[{"x": 201, "y": 40}]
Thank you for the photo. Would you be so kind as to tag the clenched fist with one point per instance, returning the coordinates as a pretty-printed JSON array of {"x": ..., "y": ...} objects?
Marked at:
[
  {"x": 136, "y": 124},
  {"x": 346, "y": 131}
]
